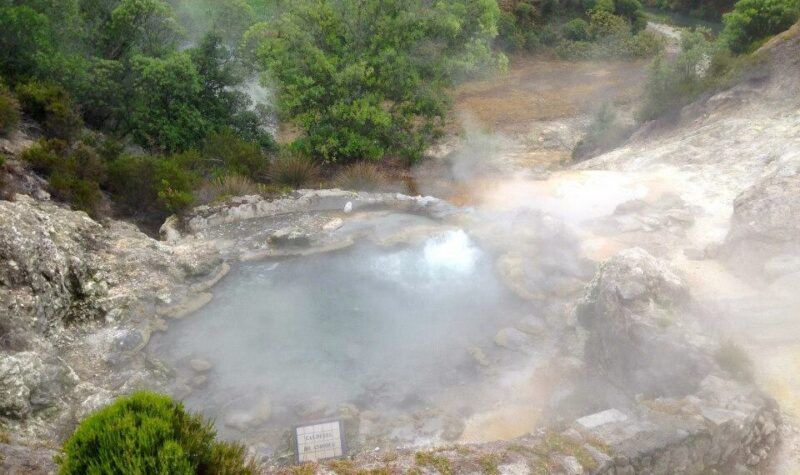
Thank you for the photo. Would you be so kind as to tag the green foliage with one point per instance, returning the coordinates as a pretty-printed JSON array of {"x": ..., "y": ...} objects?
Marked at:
[
  {"x": 74, "y": 174},
  {"x": 363, "y": 79},
  {"x": 50, "y": 105},
  {"x": 9, "y": 110},
  {"x": 610, "y": 36},
  {"x": 148, "y": 433},
  {"x": 752, "y": 21},
  {"x": 294, "y": 169},
  {"x": 154, "y": 185},
  {"x": 26, "y": 42},
  {"x": 671, "y": 84},
  {"x": 228, "y": 153}
]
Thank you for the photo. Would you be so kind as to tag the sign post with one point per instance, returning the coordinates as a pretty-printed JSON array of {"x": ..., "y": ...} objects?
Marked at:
[{"x": 319, "y": 441}]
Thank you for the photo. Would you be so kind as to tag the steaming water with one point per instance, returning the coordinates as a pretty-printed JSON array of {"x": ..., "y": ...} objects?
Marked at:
[{"x": 385, "y": 329}]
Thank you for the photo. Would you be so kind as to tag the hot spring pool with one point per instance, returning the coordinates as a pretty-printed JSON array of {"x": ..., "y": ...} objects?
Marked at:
[{"x": 383, "y": 329}]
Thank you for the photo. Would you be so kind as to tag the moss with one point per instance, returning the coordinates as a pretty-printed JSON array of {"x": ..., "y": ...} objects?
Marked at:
[
  {"x": 489, "y": 465},
  {"x": 432, "y": 460}
]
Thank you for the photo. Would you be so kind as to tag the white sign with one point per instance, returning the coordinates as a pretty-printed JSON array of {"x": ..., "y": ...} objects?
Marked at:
[{"x": 319, "y": 441}]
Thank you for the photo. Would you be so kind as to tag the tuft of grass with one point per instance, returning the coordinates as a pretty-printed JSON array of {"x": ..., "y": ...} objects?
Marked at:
[
  {"x": 732, "y": 358},
  {"x": 305, "y": 469},
  {"x": 554, "y": 442},
  {"x": 489, "y": 464},
  {"x": 438, "y": 462},
  {"x": 226, "y": 186},
  {"x": 293, "y": 169},
  {"x": 361, "y": 176},
  {"x": 347, "y": 467}
]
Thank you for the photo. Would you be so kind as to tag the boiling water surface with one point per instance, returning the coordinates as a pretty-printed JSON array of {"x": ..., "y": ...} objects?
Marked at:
[{"x": 384, "y": 329}]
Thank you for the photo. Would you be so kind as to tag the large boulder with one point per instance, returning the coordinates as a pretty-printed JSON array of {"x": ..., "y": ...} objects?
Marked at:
[
  {"x": 634, "y": 313},
  {"x": 765, "y": 220}
]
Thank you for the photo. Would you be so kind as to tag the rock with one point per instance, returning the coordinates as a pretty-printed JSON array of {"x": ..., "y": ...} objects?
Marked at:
[
  {"x": 348, "y": 207},
  {"x": 333, "y": 224},
  {"x": 189, "y": 305},
  {"x": 249, "y": 418},
  {"x": 781, "y": 265},
  {"x": 764, "y": 221},
  {"x": 601, "y": 418},
  {"x": 200, "y": 365},
  {"x": 92, "y": 399},
  {"x": 512, "y": 339},
  {"x": 518, "y": 468},
  {"x": 694, "y": 254},
  {"x": 570, "y": 465},
  {"x": 19, "y": 373},
  {"x": 24, "y": 460},
  {"x": 28, "y": 383},
  {"x": 622, "y": 310},
  {"x": 479, "y": 356},
  {"x": 314, "y": 408},
  {"x": 290, "y": 237},
  {"x": 533, "y": 326}
]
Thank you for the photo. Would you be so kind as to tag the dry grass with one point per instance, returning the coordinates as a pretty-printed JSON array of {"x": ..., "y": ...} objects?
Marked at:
[
  {"x": 293, "y": 169},
  {"x": 361, "y": 176},
  {"x": 545, "y": 89}
]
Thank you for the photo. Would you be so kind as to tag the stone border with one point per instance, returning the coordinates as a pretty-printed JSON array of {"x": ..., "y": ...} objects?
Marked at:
[{"x": 254, "y": 206}]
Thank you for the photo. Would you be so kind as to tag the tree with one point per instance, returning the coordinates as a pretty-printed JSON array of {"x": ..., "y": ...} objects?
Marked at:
[
  {"x": 366, "y": 78},
  {"x": 163, "y": 114}
]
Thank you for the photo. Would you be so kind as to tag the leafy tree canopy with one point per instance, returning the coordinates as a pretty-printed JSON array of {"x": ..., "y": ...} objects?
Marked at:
[{"x": 364, "y": 78}]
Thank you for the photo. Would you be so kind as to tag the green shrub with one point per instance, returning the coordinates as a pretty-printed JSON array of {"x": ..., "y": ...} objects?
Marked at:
[
  {"x": 293, "y": 169},
  {"x": 51, "y": 106},
  {"x": 671, "y": 84},
  {"x": 156, "y": 185},
  {"x": 9, "y": 110},
  {"x": 227, "y": 152},
  {"x": 148, "y": 433},
  {"x": 576, "y": 30},
  {"x": 361, "y": 176},
  {"x": 604, "y": 25},
  {"x": 752, "y": 21}
]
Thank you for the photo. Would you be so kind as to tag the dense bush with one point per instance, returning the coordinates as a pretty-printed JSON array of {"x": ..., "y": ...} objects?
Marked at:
[
  {"x": 154, "y": 185},
  {"x": 9, "y": 110},
  {"x": 148, "y": 433},
  {"x": 51, "y": 106},
  {"x": 752, "y": 21},
  {"x": 228, "y": 153}
]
